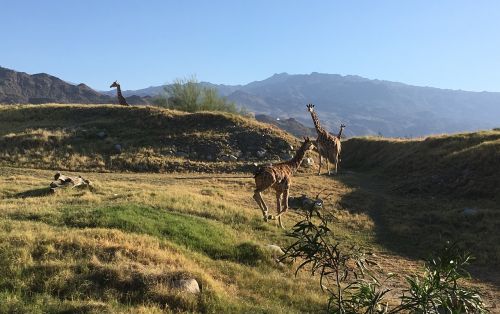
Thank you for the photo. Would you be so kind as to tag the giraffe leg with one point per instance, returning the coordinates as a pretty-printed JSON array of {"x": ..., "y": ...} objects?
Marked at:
[
  {"x": 327, "y": 166},
  {"x": 285, "y": 207},
  {"x": 283, "y": 191},
  {"x": 257, "y": 196},
  {"x": 336, "y": 163},
  {"x": 320, "y": 163},
  {"x": 278, "y": 203}
]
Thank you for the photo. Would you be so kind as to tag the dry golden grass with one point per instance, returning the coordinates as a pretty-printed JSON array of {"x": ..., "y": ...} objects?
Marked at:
[
  {"x": 151, "y": 139},
  {"x": 118, "y": 248},
  {"x": 62, "y": 244}
]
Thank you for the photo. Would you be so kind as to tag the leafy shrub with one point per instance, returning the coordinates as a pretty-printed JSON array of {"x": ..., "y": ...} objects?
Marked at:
[
  {"x": 189, "y": 95},
  {"x": 353, "y": 288}
]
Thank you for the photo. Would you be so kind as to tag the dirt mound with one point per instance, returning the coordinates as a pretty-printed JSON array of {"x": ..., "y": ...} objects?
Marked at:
[{"x": 106, "y": 137}]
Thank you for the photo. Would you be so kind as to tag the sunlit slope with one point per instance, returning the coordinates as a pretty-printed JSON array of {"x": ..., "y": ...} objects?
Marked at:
[{"x": 108, "y": 137}]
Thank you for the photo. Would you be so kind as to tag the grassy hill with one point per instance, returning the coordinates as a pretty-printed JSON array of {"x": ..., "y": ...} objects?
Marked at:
[
  {"x": 465, "y": 165},
  {"x": 118, "y": 249},
  {"x": 110, "y": 138}
]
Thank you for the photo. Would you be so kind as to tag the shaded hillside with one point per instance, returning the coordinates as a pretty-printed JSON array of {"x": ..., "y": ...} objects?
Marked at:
[
  {"x": 290, "y": 125},
  {"x": 22, "y": 88},
  {"x": 463, "y": 165},
  {"x": 134, "y": 138}
]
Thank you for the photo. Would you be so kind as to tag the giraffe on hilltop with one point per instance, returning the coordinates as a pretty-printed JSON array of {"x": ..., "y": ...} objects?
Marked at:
[{"x": 121, "y": 100}]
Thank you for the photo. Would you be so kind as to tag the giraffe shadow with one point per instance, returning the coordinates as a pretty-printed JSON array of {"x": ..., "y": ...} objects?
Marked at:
[{"x": 40, "y": 192}]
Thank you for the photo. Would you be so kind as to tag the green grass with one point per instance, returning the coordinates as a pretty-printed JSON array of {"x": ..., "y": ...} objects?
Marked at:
[{"x": 117, "y": 249}]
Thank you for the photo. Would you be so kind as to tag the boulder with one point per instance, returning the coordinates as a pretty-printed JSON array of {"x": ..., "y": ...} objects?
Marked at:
[
  {"x": 187, "y": 285},
  {"x": 275, "y": 250}
]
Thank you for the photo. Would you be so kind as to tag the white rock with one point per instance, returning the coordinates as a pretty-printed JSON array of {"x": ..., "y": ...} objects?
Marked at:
[
  {"x": 275, "y": 250},
  {"x": 187, "y": 285}
]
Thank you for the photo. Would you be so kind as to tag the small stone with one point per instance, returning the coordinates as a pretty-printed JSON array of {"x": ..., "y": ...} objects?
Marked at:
[
  {"x": 187, "y": 285},
  {"x": 261, "y": 153},
  {"x": 470, "y": 211},
  {"x": 118, "y": 148},
  {"x": 102, "y": 135}
]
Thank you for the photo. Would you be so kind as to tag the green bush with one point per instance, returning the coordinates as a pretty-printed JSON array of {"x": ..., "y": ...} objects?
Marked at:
[
  {"x": 189, "y": 95},
  {"x": 353, "y": 288}
]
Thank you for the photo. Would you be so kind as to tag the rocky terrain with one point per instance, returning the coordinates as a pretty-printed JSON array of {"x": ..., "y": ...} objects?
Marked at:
[{"x": 22, "y": 88}]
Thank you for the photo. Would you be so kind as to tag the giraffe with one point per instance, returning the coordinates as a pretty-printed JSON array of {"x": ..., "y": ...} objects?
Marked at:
[
  {"x": 328, "y": 145},
  {"x": 121, "y": 99},
  {"x": 278, "y": 176},
  {"x": 342, "y": 127}
]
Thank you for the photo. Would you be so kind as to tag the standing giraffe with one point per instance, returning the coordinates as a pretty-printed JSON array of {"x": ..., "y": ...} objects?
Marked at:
[
  {"x": 328, "y": 145},
  {"x": 278, "y": 176},
  {"x": 342, "y": 127},
  {"x": 121, "y": 99}
]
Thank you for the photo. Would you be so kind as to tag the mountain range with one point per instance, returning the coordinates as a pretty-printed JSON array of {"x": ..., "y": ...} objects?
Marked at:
[
  {"x": 22, "y": 88},
  {"x": 367, "y": 107}
]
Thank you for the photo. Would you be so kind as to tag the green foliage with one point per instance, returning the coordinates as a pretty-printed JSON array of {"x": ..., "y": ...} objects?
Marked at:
[
  {"x": 188, "y": 95},
  {"x": 439, "y": 290},
  {"x": 353, "y": 288}
]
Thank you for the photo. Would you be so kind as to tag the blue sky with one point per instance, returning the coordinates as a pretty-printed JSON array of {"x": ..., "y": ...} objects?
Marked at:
[{"x": 447, "y": 44}]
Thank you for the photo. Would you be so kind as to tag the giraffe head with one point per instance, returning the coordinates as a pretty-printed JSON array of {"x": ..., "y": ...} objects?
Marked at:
[
  {"x": 310, "y": 107},
  {"x": 342, "y": 126},
  {"x": 308, "y": 144},
  {"x": 115, "y": 84}
]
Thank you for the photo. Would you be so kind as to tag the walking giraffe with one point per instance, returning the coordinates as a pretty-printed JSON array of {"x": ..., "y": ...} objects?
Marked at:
[
  {"x": 328, "y": 145},
  {"x": 278, "y": 176}
]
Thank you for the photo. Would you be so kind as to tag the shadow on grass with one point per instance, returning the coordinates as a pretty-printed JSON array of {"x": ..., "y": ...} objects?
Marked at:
[
  {"x": 416, "y": 225},
  {"x": 34, "y": 193}
]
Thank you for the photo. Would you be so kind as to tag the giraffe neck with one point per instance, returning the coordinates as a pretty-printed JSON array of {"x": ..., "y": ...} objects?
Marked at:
[
  {"x": 317, "y": 125},
  {"x": 295, "y": 162},
  {"x": 119, "y": 91},
  {"x": 340, "y": 132}
]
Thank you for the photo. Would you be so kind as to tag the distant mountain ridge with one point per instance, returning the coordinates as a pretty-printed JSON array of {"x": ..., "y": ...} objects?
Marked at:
[
  {"x": 368, "y": 107},
  {"x": 22, "y": 88}
]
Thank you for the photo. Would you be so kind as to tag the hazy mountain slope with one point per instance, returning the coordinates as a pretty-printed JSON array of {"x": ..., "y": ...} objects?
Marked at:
[
  {"x": 366, "y": 106},
  {"x": 290, "y": 125},
  {"x": 372, "y": 106},
  {"x": 19, "y": 87},
  {"x": 22, "y": 88}
]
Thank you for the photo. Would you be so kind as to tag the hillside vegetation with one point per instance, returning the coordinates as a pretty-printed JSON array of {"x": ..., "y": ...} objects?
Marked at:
[
  {"x": 465, "y": 165},
  {"x": 120, "y": 247},
  {"x": 110, "y": 138}
]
